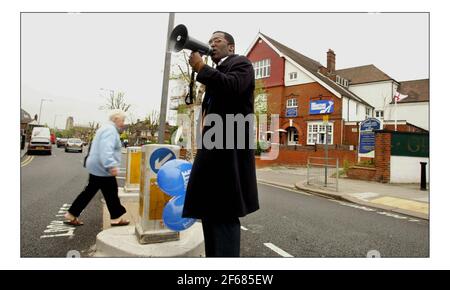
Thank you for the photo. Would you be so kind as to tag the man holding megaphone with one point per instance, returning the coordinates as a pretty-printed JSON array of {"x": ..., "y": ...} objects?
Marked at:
[{"x": 222, "y": 185}]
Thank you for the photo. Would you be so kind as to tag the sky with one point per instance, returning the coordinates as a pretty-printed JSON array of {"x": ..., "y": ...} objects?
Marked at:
[{"x": 76, "y": 59}]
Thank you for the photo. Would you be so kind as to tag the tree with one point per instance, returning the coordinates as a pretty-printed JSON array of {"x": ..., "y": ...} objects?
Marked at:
[
  {"x": 116, "y": 101},
  {"x": 260, "y": 104},
  {"x": 184, "y": 74},
  {"x": 152, "y": 122}
]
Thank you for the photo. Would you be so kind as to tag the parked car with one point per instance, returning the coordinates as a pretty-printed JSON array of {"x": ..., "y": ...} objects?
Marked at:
[
  {"x": 40, "y": 141},
  {"x": 61, "y": 142},
  {"x": 74, "y": 144}
]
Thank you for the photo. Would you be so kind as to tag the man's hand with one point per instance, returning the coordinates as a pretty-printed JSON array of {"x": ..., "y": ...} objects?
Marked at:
[
  {"x": 114, "y": 171},
  {"x": 196, "y": 61}
]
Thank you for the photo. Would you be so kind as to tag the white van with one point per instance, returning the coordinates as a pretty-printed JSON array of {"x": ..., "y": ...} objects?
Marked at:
[{"x": 40, "y": 140}]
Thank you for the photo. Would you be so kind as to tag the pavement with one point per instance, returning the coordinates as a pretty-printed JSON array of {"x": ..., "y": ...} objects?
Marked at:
[{"x": 405, "y": 199}]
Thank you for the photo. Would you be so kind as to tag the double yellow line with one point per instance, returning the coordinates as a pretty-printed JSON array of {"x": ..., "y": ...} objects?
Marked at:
[{"x": 27, "y": 161}]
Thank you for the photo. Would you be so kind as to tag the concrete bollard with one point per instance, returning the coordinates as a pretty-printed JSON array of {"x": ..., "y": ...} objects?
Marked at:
[
  {"x": 151, "y": 228},
  {"x": 133, "y": 169}
]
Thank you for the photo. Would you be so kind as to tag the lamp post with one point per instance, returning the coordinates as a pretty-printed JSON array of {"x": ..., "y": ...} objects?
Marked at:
[
  {"x": 165, "y": 87},
  {"x": 40, "y": 109},
  {"x": 54, "y": 120}
]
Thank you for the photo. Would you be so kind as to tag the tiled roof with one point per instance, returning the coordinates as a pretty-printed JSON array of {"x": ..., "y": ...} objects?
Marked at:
[
  {"x": 363, "y": 74},
  {"x": 417, "y": 91},
  {"x": 313, "y": 67}
]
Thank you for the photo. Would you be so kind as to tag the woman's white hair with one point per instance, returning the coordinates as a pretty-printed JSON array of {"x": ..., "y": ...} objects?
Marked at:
[{"x": 115, "y": 114}]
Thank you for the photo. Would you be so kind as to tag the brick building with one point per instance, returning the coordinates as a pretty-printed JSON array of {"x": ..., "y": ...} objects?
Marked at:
[
  {"x": 301, "y": 91},
  {"x": 294, "y": 85}
]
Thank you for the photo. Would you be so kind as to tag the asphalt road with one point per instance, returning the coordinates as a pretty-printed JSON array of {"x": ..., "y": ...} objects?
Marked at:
[
  {"x": 289, "y": 223},
  {"x": 48, "y": 185},
  {"x": 302, "y": 225}
]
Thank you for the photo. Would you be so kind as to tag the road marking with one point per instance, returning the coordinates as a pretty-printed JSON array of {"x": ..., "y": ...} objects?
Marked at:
[
  {"x": 27, "y": 161},
  {"x": 57, "y": 228},
  {"x": 120, "y": 177},
  {"x": 392, "y": 215},
  {"x": 244, "y": 228},
  {"x": 389, "y": 214},
  {"x": 356, "y": 206},
  {"x": 278, "y": 250}
]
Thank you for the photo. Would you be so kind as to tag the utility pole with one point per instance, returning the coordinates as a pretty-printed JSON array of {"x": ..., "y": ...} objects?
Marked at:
[
  {"x": 165, "y": 87},
  {"x": 40, "y": 109}
]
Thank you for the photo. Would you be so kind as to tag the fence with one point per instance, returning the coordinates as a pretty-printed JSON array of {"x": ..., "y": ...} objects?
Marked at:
[{"x": 323, "y": 172}]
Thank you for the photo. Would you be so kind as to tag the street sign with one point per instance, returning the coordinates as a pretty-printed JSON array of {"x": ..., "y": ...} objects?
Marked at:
[
  {"x": 321, "y": 107},
  {"x": 159, "y": 157},
  {"x": 367, "y": 137},
  {"x": 291, "y": 112}
]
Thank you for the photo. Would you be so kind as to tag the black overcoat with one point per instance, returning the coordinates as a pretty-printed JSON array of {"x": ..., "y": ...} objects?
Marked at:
[{"x": 222, "y": 182}]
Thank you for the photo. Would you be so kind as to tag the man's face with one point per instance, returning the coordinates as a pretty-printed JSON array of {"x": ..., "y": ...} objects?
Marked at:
[{"x": 220, "y": 46}]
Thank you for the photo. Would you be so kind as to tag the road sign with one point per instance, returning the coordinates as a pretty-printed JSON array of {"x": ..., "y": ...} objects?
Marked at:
[
  {"x": 159, "y": 157},
  {"x": 321, "y": 107},
  {"x": 366, "y": 146}
]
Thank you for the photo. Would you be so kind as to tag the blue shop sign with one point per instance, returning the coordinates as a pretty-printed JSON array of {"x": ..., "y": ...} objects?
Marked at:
[{"x": 321, "y": 107}]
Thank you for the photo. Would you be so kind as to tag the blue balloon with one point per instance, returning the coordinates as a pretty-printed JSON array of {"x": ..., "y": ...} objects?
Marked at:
[
  {"x": 172, "y": 215},
  {"x": 173, "y": 177}
]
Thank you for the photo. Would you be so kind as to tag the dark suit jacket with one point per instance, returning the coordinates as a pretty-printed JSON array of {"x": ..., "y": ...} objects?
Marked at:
[{"x": 222, "y": 183}]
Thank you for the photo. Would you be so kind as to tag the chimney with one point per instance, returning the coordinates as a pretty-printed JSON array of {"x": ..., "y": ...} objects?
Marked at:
[{"x": 331, "y": 61}]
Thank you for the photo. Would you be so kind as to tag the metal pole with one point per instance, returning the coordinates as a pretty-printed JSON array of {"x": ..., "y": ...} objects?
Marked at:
[
  {"x": 307, "y": 172},
  {"x": 40, "y": 110},
  {"x": 326, "y": 153},
  {"x": 165, "y": 87},
  {"x": 337, "y": 174}
]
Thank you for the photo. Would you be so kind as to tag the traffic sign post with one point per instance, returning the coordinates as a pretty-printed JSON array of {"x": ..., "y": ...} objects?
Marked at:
[
  {"x": 325, "y": 122},
  {"x": 152, "y": 199}
]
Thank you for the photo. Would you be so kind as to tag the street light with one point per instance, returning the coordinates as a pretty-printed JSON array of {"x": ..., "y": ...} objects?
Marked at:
[
  {"x": 54, "y": 120},
  {"x": 40, "y": 109}
]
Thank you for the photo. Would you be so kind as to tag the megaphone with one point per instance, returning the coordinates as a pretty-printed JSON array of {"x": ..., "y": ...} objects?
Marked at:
[{"x": 180, "y": 39}]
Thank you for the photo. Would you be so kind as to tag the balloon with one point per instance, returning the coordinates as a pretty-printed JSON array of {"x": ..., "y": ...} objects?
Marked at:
[
  {"x": 172, "y": 215},
  {"x": 173, "y": 177}
]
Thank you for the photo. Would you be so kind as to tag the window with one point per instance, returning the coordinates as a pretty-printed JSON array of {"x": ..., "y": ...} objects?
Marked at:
[
  {"x": 316, "y": 133},
  {"x": 262, "y": 68},
  {"x": 292, "y": 103},
  {"x": 343, "y": 82},
  {"x": 367, "y": 113},
  {"x": 379, "y": 114},
  {"x": 293, "y": 75}
]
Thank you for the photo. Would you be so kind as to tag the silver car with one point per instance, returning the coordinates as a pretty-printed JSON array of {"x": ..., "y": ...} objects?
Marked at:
[{"x": 74, "y": 144}]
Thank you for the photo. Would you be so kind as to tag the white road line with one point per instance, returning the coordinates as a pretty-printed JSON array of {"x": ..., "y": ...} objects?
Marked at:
[
  {"x": 120, "y": 177},
  {"x": 278, "y": 250},
  {"x": 244, "y": 228}
]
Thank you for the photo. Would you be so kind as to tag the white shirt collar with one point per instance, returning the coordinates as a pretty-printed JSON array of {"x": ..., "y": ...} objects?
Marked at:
[{"x": 222, "y": 60}]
